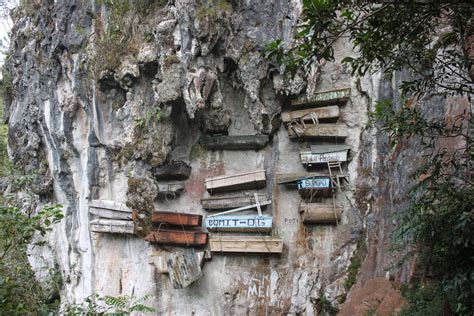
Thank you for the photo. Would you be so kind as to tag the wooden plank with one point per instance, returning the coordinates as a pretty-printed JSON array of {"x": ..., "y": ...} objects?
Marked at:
[
  {"x": 175, "y": 218},
  {"x": 183, "y": 268},
  {"x": 111, "y": 226},
  {"x": 240, "y": 223},
  {"x": 325, "y": 97},
  {"x": 282, "y": 178},
  {"x": 328, "y": 112},
  {"x": 246, "y": 244},
  {"x": 323, "y": 149},
  {"x": 112, "y": 214},
  {"x": 243, "y": 208},
  {"x": 175, "y": 170},
  {"x": 177, "y": 237},
  {"x": 309, "y": 158},
  {"x": 219, "y": 203},
  {"x": 249, "y": 180},
  {"x": 238, "y": 142},
  {"x": 319, "y": 130},
  {"x": 316, "y": 213},
  {"x": 109, "y": 204}
]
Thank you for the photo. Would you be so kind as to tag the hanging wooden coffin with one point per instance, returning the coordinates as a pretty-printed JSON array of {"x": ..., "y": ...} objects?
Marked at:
[
  {"x": 249, "y": 180},
  {"x": 170, "y": 190},
  {"x": 293, "y": 177},
  {"x": 190, "y": 238},
  {"x": 158, "y": 257},
  {"x": 329, "y": 112},
  {"x": 111, "y": 226},
  {"x": 316, "y": 186},
  {"x": 178, "y": 219},
  {"x": 318, "y": 130},
  {"x": 322, "y": 154},
  {"x": 240, "y": 223},
  {"x": 219, "y": 203},
  {"x": 183, "y": 268},
  {"x": 316, "y": 213},
  {"x": 175, "y": 170},
  {"x": 326, "y": 97},
  {"x": 239, "y": 142},
  {"x": 109, "y": 209},
  {"x": 246, "y": 244}
]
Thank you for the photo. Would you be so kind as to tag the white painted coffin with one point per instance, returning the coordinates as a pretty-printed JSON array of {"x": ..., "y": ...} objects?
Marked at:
[
  {"x": 322, "y": 154},
  {"x": 109, "y": 209},
  {"x": 111, "y": 226},
  {"x": 240, "y": 223}
]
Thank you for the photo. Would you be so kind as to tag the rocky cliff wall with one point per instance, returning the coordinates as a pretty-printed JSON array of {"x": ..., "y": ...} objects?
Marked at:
[{"x": 103, "y": 94}]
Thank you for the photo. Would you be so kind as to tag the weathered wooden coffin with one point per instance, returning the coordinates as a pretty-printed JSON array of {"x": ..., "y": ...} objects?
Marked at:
[
  {"x": 219, "y": 203},
  {"x": 183, "y": 268},
  {"x": 321, "y": 154},
  {"x": 326, "y": 97},
  {"x": 316, "y": 186},
  {"x": 240, "y": 223},
  {"x": 175, "y": 170},
  {"x": 316, "y": 213},
  {"x": 111, "y": 226},
  {"x": 158, "y": 257},
  {"x": 109, "y": 209},
  {"x": 178, "y": 219},
  {"x": 238, "y": 142},
  {"x": 329, "y": 112},
  {"x": 190, "y": 238},
  {"x": 318, "y": 130},
  {"x": 282, "y": 178},
  {"x": 246, "y": 244},
  {"x": 170, "y": 190},
  {"x": 249, "y": 180}
]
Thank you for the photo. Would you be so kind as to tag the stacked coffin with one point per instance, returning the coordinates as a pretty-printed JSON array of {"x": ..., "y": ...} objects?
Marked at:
[
  {"x": 228, "y": 221},
  {"x": 170, "y": 179},
  {"x": 315, "y": 119},
  {"x": 179, "y": 229},
  {"x": 110, "y": 217}
]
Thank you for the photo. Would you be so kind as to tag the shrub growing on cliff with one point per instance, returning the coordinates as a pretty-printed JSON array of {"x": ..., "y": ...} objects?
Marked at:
[
  {"x": 431, "y": 40},
  {"x": 20, "y": 293}
]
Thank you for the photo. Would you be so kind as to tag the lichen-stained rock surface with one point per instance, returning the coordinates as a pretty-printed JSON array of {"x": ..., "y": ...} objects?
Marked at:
[{"x": 103, "y": 94}]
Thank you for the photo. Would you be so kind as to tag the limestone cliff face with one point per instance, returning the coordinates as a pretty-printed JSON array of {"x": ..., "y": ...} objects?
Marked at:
[{"x": 102, "y": 94}]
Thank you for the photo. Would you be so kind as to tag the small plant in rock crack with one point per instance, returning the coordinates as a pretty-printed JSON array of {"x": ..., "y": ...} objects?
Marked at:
[{"x": 96, "y": 304}]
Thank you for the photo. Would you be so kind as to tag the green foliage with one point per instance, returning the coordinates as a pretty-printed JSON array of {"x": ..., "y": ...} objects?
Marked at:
[
  {"x": 104, "y": 305},
  {"x": 390, "y": 36},
  {"x": 152, "y": 117},
  {"x": 437, "y": 226},
  {"x": 325, "y": 308},
  {"x": 213, "y": 9},
  {"x": 423, "y": 300},
  {"x": 356, "y": 263},
  {"x": 20, "y": 293}
]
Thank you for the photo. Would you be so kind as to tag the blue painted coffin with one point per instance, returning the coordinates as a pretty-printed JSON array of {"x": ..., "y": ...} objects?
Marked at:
[{"x": 315, "y": 186}]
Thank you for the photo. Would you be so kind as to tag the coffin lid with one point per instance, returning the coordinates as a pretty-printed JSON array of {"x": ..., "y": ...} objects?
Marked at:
[{"x": 323, "y": 149}]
